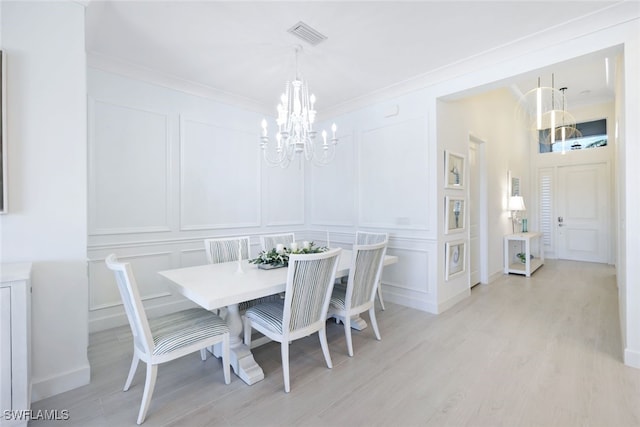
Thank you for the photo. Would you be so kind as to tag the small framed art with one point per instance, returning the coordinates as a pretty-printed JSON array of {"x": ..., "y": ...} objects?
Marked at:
[
  {"x": 455, "y": 258},
  {"x": 454, "y": 170},
  {"x": 455, "y": 211}
]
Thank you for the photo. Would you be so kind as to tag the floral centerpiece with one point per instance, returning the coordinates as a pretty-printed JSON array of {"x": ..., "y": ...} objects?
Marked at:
[{"x": 279, "y": 256}]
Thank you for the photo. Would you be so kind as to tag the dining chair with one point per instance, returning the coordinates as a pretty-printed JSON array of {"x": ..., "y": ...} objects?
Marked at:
[
  {"x": 165, "y": 338},
  {"x": 366, "y": 238},
  {"x": 303, "y": 311},
  {"x": 360, "y": 292},
  {"x": 227, "y": 249},
  {"x": 271, "y": 241}
]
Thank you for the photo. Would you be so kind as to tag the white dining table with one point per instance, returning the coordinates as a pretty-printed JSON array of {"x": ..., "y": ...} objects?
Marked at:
[{"x": 228, "y": 284}]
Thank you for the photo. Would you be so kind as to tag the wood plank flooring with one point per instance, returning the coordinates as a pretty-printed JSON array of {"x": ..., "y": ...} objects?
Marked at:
[{"x": 543, "y": 351}]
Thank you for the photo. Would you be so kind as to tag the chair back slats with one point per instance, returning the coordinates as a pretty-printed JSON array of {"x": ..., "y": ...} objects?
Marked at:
[
  {"x": 365, "y": 273},
  {"x": 271, "y": 241},
  {"x": 132, "y": 303},
  {"x": 309, "y": 285},
  {"x": 366, "y": 238},
  {"x": 226, "y": 249}
]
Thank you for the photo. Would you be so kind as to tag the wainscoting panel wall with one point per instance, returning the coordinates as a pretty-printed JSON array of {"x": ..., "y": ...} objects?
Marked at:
[
  {"x": 194, "y": 170},
  {"x": 219, "y": 177},
  {"x": 130, "y": 169},
  {"x": 284, "y": 193},
  {"x": 332, "y": 194},
  {"x": 387, "y": 197}
]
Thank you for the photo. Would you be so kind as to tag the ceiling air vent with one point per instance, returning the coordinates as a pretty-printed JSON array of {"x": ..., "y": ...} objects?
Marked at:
[{"x": 306, "y": 33}]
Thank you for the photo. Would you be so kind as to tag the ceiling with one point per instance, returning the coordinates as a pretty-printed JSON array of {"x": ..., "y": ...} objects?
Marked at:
[{"x": 243, "y": 49}]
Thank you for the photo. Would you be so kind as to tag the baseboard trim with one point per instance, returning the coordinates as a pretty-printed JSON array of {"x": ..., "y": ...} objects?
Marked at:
[
  {"x": 47, "y": 387},
  {"x": 632, "y": 358}
]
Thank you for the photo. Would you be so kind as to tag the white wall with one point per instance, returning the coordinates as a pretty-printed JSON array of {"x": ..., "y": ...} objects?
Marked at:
[
  {"x": 382, "y": 180},
  {"x": 629, "y": 226},
  {"x": 46, "y": 223},
  {"x": 166, "y": 170}
]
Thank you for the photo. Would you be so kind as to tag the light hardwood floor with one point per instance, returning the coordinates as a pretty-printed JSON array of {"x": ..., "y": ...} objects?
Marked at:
[{"x": 544, "y": 351}]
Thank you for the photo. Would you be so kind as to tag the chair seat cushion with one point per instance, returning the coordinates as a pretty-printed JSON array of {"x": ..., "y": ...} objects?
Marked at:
[
  {"x": 268, "y": 314},
  {"x": 339, "y": 297},
  {"x": 177, "y": 330}
]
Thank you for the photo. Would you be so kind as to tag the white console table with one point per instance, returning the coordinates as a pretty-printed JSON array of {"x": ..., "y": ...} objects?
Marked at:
[
  {"x": 15, "y": 341},
  {"x": 531, "y": 246}
]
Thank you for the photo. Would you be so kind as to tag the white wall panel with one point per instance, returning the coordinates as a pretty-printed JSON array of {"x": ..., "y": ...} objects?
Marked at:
[
  {"x": 284, "y": 193},
  {"x": 332, "y": 189},
  {"x": 103, "y": 290},
  {"x": 393, "y": 163},
  {"x": 192, "y": 257},
  {"x": 219, "y": 177},
  {"x": 129, "y": 157}
]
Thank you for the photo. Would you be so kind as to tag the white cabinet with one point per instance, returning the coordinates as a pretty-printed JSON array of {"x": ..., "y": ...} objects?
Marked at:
[
  {"x": 15, "y": 342},
  {"x": 523, "y": 253}
]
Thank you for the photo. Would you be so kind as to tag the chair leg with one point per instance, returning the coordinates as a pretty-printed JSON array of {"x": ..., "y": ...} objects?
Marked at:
[
  {"x": 374, "y": 322},
  {"x": 203, "y": 354},
  {"x": 380, "y": 295},
  {"x": 284, "y": 349},
  {"x": 347, "y": 334},
  {"x": 226, "y": 359},
  {"x": 132, "y": 371},
  {"x": 322, "y": 333},
  {"x": 149, "y": 385}
]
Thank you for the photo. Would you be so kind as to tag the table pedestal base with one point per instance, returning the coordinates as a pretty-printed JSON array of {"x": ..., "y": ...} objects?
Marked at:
[
  {"x": 242, "y": 361},
  {"x": 357, "y": 322}
]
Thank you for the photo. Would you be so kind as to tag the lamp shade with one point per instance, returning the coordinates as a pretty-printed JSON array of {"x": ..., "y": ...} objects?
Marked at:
[{"x": 516, "y": 203}]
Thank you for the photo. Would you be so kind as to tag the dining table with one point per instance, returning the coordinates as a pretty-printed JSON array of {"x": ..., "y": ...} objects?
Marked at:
[{"x": 214, "y": 286}]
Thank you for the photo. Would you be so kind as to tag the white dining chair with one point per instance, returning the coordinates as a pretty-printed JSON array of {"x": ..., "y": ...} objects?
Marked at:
[
  {"x": 366, "y": 238},
  {"x": 270, "y": 241},
  {"x": 227, "y": 249},
  {"x": 165, "y": 338},
  {"x": 303, "y": 311},
  {"x": 359, "y": 294}
]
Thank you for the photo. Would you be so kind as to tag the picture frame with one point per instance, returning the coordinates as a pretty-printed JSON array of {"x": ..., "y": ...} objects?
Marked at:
[
  {"x": 455, "y": 214},
  {"x": 455, "y": 258},
  {"x": 4, "y": 200},
  {"x": 513, "y": 184},
  {"x": 454, "y": 170}
]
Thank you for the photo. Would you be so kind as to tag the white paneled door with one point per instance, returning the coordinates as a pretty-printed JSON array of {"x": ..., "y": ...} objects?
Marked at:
[{"x": 583, "y": 203}]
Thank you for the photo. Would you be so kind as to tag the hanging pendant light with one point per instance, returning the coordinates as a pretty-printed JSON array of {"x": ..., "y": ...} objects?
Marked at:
[
  {"x": 544, "y": 109},
  {"x": 296, "y": 137}
]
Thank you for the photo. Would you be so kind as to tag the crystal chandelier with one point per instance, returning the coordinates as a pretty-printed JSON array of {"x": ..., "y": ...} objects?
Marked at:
[{"x": 295, "y": 136}]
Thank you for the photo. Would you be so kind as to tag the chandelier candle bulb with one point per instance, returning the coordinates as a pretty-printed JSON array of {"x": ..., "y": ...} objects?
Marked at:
[{"x": 264, "y": 128}]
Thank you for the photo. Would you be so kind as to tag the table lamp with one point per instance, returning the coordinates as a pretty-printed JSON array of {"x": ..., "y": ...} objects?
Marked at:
[{"x": 516, "y": 205}]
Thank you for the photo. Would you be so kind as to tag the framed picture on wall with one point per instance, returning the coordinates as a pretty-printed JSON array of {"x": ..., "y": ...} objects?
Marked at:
[
  {"x": 454, "y": 170},
  {"x": 455, "y": 211},
  {"x": 513, "y": 183},
  {"x": 3, "y": 133},
  {"x": 455, "y": 258}
]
